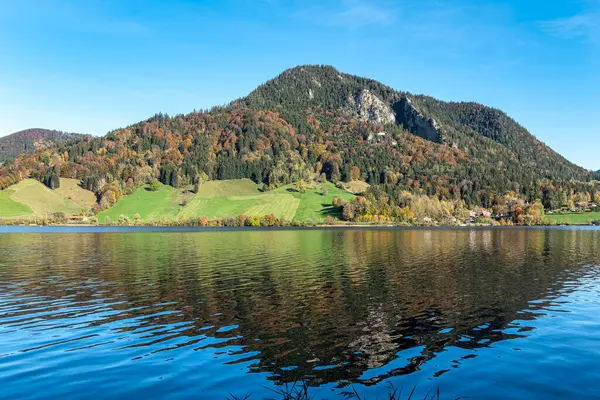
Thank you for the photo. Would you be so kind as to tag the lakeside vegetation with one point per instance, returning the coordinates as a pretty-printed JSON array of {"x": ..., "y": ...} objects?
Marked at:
[
  {"x": 574, "y": 218},
  {"x": 241, "y": 203},
  {"x": 302, "y": 391}
]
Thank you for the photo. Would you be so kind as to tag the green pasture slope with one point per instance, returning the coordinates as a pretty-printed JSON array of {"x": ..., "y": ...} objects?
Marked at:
[
  {"x": 312, "y": 205},
  {"x": 573, "y": 218},
  {"x": 10, "y": 208},
  {"x": 30, "y": 197},
  {"x": 164, "y": 203},
  {"x": 219, "y": 199},
  {"x": 42, "y": 200}
]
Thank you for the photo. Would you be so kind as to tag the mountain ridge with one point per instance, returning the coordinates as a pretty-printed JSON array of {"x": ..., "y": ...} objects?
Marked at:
[
  {"x": 314, "y": 123},
  {"x": 32, "y": 139},
  {"x": 422, "y": 115}
]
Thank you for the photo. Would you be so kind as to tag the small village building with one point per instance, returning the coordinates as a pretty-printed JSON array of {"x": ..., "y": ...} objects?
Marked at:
[{"x": 77, "y": 218}]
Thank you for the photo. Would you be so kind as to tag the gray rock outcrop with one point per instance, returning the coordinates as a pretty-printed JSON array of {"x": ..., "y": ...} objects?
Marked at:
[
  {"x": 413, "y": 120},
  {"x": 369, "y": 107}
]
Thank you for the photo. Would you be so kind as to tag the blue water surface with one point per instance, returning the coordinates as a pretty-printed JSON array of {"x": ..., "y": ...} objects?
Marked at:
[{"x": 124, "y": 313}]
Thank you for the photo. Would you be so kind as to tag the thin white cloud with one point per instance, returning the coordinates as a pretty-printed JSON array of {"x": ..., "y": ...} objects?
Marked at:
[
  {"x": 350, "y": 14},
  {"x": 584, "y": 25}
]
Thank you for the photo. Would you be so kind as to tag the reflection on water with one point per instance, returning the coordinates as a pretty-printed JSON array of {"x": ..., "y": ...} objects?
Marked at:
[{"x": 485, "y": 313}]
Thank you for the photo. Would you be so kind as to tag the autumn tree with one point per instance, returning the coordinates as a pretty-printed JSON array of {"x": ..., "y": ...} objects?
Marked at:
[{"x": 154, "y": 185}]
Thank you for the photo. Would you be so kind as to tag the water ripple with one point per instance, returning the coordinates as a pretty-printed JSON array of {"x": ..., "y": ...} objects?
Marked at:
[{"x": 191, "y": 314}]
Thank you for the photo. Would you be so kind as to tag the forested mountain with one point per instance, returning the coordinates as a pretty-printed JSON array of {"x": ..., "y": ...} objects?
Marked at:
[
  {"x": 463, "y": 125},
  {"x": 314, "y": 122},
  {"x": 31, "y": 140}
]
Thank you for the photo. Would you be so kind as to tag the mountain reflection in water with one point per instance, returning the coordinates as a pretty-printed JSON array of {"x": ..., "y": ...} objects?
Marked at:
[{"x": 189, "y": 314}]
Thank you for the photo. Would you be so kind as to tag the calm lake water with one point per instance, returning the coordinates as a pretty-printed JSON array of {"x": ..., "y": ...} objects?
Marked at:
[{"x": 478, "y": 313}]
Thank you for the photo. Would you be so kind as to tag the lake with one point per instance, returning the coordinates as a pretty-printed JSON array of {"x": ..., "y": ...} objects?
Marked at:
[{"x": 479, "y": 313}]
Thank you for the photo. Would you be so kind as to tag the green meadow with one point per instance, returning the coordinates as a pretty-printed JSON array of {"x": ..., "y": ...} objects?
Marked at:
[
  {"x": 573, "y": 218},
  {"x": 11, "y": 208},
  {"x": 70, "y": 189},
  {"x": 164, "y": 203},
  {"x": 30, "y": 197},
  {"x": 219, "y": 199},
  {"x": 215, "y": 199}
]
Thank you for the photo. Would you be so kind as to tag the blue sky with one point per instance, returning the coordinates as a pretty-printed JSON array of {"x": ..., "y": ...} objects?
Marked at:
[{"x": 95, "y": 65}]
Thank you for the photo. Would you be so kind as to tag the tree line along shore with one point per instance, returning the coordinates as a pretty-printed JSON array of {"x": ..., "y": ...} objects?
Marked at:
[{"x": 241, "y": 203}]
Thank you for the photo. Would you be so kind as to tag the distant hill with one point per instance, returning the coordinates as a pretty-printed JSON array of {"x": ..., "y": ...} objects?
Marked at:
[
  {"x": 31, "y": 140},
  {"x": 314, "y": 122}
]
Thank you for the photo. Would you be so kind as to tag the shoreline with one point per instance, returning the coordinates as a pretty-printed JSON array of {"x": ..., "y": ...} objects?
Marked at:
[{"x": 82, "y": 228}]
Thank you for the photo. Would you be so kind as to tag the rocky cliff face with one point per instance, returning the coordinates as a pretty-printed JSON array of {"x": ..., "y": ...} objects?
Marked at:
[
  {"x": 413, "y": 120},
  {"x": 369, "y": 107}
]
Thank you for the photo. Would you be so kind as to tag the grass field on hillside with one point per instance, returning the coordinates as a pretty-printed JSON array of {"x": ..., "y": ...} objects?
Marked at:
[
  {"x": 42, "y": 200},
  {"x": 236, "y": 187},
  {"x": 11, "y": 208},
  {"x": 314, "y": 206},
  {"x": 573, "y": 218},
  {"x": 165, "y": 203},
  {"x": 356, "y": 186},
  {"x": 257, "y": 204},
  {"x": 70, "y": 189},
  {"x": 219, "y": 199}
]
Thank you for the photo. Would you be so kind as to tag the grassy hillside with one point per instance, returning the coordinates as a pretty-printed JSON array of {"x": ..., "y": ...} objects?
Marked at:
[
  {"x": 164, "y": 203},
  {"x": 11, "y": 208},
  {"x": 219, "y": 199},
  {"x": 43, "y": 200},
  {"x": 356, "y": 186},
  {"x": 70, "y": 189},
  {"x": 312, "y": 204},
  {"x": 236, "y": 187},
  {"x": 573, "y": 218},
  {"x": 30, "y": 197}
]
